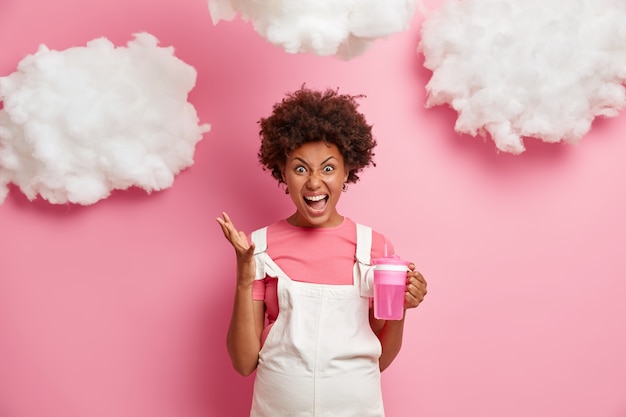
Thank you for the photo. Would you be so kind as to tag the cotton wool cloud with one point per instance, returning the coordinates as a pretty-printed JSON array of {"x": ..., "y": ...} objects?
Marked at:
[
  {"x": 79, "y": 123},
  {"x": 512, "y": 70},
  {"x": 344, "y": 28}
]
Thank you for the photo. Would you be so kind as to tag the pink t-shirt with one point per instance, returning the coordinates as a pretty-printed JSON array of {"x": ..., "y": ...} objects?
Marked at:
[{"x": 324, "y": 255}]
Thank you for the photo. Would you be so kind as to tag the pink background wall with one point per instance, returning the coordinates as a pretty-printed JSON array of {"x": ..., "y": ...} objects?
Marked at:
[{"x": 120, "y": 309}]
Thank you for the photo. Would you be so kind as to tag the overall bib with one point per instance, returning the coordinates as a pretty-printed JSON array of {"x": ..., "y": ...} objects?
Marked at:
[{"x": 320, "y": 358}]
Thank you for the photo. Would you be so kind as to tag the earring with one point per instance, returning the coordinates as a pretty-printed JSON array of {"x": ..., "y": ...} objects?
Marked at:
[{"x": 345, "y": 187}]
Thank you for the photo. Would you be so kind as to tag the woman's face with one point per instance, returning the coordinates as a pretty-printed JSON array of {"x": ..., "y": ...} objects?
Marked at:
[{"x": 315, "y": 174}]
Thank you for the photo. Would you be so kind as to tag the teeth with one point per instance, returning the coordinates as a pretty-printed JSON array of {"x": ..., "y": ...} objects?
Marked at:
[{"x": 315, "y": 197}]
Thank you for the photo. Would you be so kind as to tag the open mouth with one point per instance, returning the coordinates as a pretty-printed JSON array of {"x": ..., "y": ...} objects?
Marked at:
[{"x": 316, "y": 202}]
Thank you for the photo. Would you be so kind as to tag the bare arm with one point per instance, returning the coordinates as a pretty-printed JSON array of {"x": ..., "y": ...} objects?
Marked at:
[
  {"x": 246, "y": 324},
  {"x": 390, "y": 332}
]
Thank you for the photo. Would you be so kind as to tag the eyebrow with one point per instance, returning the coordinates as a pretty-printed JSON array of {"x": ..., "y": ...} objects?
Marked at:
[{"x": 323, "y": 162}]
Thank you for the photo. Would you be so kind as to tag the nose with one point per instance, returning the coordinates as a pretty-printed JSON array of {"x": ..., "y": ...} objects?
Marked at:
[{"x": 314, "y": 181}]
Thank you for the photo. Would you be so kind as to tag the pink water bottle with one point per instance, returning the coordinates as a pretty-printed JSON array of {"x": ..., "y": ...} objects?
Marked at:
[{"x": 389, "y": 287}]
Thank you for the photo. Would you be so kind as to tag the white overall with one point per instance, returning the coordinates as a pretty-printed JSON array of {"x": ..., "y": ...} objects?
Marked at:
[{"x": 320, "y": 358}]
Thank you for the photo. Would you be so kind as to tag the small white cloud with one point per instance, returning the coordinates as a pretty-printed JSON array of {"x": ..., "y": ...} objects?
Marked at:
[
  {"x": 82, "y": 122},
  {"x": 345, "y": 28},
  {"x": 533, "y": 68}
]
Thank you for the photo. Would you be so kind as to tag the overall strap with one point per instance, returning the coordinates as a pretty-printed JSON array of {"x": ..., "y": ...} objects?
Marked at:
[
  {"x": 362, "y": 266},
  {"x": 259, "y": 238},
  {"x": 363, "y": 244}
]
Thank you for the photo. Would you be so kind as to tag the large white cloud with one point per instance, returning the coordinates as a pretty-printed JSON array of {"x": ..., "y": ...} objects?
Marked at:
[
  {"x": 526, "y": 68},
  {"x": 345, "y": 28},
  {"x": 84, "y": 121}
]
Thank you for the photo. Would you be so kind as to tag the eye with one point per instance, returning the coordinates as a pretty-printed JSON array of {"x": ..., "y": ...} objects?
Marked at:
[
  {"x": 300, "y": 169},
  {"x": 329, "y": 168}
]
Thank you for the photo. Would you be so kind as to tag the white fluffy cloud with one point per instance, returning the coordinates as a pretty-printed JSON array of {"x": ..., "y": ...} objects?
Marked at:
[
  {"x": 526, "y": 68},
  {"x": 79, "y": 123},
  {"x": 344, "y": 28}
]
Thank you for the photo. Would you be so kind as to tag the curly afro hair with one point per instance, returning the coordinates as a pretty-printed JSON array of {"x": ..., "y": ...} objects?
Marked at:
[{"x": 308, "y": 116}]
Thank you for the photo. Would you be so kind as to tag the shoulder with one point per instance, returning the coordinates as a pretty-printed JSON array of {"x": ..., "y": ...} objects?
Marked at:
[
  {"x": 262, "y": 234},
  {"x": 380, "y": 244},
  {"x": 375, "y": 233},
  {"x": 273, "y": 227}
]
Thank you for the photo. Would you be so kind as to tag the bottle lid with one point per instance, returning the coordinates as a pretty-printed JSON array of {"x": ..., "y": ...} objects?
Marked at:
[{"x": 390, "y": 260}]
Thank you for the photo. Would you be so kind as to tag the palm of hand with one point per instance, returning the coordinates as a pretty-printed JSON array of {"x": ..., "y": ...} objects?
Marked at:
[{"x": 243, "y": 249}]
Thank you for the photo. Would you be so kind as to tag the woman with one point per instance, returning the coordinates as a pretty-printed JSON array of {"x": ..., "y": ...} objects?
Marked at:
[{"x": 299, "y": 318}]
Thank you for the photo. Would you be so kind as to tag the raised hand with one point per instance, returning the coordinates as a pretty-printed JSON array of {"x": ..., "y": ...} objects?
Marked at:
[{"x": 244, "y": 250}]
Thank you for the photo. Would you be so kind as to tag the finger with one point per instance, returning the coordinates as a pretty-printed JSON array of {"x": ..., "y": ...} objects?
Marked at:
[
  {"x": 416, "y": 297},
  {"x": 411, "y": 300},
  {"x": 223, "y": 226},
  {"x": 228, "y": 221},
  {"x": 420, "y": 278},
  {"x": 416, "y": 292},
  {"x": 224, "y": 221},
  {"x": 416, "y": 275},
  {"x": 237, "y": 238},
  {"x": 417, "y": 282},
  {"x": 228, "y": 231}
]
